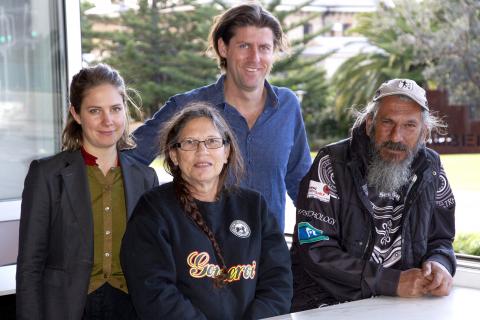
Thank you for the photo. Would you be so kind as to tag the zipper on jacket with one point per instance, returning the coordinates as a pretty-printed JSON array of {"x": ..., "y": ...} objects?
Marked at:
[
  {"x": 367, "y": 251},
  {"x": 366, "y": 254},
  {"x": 406, "y": 214},
  {"x": 362, "y": 194},
  {"x": 412, "y": 182}
]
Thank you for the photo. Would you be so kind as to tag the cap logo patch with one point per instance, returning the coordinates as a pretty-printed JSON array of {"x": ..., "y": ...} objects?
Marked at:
[
  {"x": 404, "y": 84},
  {"x": 404, "y": 87},
  {"x": 240, "y": 229}
]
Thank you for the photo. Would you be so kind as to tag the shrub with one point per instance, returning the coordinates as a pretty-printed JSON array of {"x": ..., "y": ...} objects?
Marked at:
[{"x": 467, "y": 243}]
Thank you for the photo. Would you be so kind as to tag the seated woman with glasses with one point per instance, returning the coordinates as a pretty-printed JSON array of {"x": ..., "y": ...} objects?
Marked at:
[{"x": 201, "y": 247}]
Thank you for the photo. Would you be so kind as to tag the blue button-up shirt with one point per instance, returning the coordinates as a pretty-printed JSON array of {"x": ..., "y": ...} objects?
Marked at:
[{"x": 275, "y": 149}]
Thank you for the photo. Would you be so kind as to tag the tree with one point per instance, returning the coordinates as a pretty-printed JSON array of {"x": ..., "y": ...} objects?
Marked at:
[
  {"x": 306, "y": 77},
  {"x": 357, "y": 78},
  {"x": 449, "y": 45},
  {"x": 160, "y": 50},
  {"x": 434, "y": 42},
  {"x": 86, "y": 25}
]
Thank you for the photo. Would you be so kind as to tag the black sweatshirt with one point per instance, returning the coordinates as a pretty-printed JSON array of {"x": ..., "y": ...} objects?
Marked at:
[{"x": 169, "y": 262}]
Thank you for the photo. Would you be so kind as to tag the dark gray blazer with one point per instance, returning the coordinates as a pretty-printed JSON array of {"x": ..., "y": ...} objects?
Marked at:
[{"x": 55, "y": 255}]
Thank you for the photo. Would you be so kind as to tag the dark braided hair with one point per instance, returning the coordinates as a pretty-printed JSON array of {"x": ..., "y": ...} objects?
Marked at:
[
  {"x": 232, "y": 170},
  {"x": 191, "y": 209}
]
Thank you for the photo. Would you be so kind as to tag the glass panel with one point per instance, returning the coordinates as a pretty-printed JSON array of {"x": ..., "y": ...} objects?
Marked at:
[{"x": 30, "y": 92}]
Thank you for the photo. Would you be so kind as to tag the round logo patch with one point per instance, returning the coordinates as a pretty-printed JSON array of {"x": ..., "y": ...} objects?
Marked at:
[{"x": 240, "y": 229}]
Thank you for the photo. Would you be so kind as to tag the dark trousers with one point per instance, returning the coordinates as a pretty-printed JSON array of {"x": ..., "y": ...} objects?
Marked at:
[{"x": 109, "y": 303}]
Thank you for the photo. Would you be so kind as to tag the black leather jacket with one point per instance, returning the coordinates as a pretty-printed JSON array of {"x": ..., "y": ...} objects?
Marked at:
[{"x": 334, "y": 231}]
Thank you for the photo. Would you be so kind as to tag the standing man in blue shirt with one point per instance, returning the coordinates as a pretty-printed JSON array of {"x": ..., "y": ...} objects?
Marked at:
[{"x": 267, "y": 120}]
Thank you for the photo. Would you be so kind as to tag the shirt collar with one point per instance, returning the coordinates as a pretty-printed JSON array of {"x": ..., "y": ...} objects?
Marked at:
[
  {"x": 90, "y": 160},
  {"x": 218, "y": 96}
]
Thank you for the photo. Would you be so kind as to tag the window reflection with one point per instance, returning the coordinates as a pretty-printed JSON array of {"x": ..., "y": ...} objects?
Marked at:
[{"x": 29, "y": 89}]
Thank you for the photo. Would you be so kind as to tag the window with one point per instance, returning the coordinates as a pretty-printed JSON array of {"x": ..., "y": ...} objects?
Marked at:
[
  {"x": 32, "y": 96},
  {"x": 307, "y": 29}
]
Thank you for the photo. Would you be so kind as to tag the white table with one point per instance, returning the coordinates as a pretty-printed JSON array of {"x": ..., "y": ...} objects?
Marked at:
[{"x": 462, "y": 303}]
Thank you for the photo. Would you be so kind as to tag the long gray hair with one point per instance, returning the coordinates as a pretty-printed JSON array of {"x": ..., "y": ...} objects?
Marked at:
[{"x": 431, "y": 122}]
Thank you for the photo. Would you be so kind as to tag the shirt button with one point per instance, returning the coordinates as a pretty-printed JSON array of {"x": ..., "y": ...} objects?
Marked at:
[
  {"x": 107, "y": 254},
  {"x": 107, "y": 232},
  {"x": 107, "y": 209}
]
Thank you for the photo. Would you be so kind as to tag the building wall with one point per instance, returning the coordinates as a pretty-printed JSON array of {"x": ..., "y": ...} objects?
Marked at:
[{"x": 463, "y": 132}]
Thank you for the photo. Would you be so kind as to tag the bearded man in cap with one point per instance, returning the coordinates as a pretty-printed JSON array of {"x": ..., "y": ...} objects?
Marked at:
[{"x": 375, "y": 213}]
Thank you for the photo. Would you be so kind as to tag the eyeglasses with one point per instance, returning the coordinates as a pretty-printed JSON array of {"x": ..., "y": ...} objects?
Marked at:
[{"x": 192, "y": 144}]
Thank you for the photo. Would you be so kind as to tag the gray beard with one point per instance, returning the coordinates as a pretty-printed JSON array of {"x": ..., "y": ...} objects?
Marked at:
[{"x": 388, "y": 176}]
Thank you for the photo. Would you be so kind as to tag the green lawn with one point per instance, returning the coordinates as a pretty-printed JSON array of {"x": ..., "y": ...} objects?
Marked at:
[{"x": 463, "y": 171}]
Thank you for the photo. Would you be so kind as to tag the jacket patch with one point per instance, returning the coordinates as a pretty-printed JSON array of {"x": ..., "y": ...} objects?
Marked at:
[
  {"x": 316, "y": 215},
  {"x": 325, "y": 175},
  {"x": 240, "y": 229},
  {"x": 319, "y": 190},
  {"x": 444, "y": 196},
  {"x": 200, "y": 268},
  {"x": 307, "y": 233}
]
